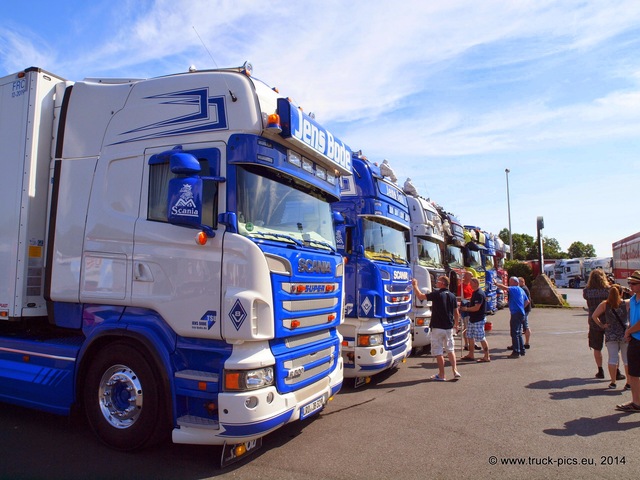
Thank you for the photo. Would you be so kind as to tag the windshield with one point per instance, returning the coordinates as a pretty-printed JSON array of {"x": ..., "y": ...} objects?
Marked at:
[
  {"x": 283, "y": 212},
  {"x": 429, "y": 254},
  {"x": 489, "y": 263},
  {"x": 473, "y": 259},
  {"x": 384, "y": 242},
  {"x": 454, "y": 257}
]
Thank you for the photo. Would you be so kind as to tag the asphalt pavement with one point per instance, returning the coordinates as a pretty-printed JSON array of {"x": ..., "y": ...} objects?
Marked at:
[{"x": 540, "y": 416}]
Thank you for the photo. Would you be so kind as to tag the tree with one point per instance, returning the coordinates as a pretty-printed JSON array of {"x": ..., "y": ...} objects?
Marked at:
[
  {"x": 551, "y": 249},
  {"x": 522, "y": 246},
  {"x": 519, "y": 269},
  {"x": 522, "y": 243},
  {"x": 579, "y": 249}
]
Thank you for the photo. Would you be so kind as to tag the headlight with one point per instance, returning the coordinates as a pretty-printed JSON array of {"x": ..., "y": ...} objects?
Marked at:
[
  {"x": 370, "y": 340},
  {"x": 242, "y": 380}
]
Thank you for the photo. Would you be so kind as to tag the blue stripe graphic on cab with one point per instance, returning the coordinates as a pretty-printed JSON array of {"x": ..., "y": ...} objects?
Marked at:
[{"x": 209, "y": 114}]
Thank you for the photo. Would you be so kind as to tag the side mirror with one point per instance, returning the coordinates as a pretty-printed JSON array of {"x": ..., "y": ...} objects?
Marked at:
[{"x": 185, "y": 193}]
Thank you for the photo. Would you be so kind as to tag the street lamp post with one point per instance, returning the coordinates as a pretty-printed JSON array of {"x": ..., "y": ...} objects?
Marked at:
[{"x": 506, "y": 172}]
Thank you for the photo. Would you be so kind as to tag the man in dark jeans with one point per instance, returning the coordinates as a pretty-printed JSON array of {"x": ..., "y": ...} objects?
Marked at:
[{"x": 517, "y": 302}]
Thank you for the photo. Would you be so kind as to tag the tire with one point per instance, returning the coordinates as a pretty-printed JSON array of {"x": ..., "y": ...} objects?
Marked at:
[{"x": 123, "y": 398}]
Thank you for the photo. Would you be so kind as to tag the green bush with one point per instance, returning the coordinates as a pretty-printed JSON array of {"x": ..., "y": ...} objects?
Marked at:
[{"x": 516, "y": 268}]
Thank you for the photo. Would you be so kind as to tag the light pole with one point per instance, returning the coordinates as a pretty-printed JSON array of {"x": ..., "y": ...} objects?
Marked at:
[{"x": 506, "y": 172}]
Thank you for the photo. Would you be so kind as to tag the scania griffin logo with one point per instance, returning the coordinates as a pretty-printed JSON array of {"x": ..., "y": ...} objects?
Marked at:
[{"x": 314, "y": 266}]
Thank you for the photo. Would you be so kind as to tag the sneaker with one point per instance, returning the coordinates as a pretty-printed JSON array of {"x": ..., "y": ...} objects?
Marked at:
[
  {"x": 514, "y": 355},
  {"x": 510, "y": 347},
  {"x": 600, "y": 373},
  {"x": 620, "y": 376},
  {"x": 478, "y": 347},
  {"x": 612, "y": 386},
  {"x": 438, "y": 378},
  {"x": 627, "y": 387},
  {"x": 527, "y": 346}
]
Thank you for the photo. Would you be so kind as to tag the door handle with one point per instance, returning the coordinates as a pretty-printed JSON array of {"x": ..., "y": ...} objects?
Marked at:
[{"x": 142, "y": 272}]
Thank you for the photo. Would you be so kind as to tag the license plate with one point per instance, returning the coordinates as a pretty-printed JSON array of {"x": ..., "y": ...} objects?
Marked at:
[
  {"x": 313, "y": 407},
  {"x": 235, "y": 452}
]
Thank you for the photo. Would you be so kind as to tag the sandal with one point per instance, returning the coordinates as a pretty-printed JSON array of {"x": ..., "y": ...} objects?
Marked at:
[
  {"x": 628, "y": 407},
  {"x": 612, "y": 386},
  {"x": 466, "y": 359},
  {"x": 483, "y": 360}
]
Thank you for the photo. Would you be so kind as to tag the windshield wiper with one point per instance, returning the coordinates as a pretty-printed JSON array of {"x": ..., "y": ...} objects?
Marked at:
[
  {"x": 399, "y": 260},
  {"x": 380, "y": 256},
  {"x": 277, "y": 235},
  {"x": 321, "y": 243}
]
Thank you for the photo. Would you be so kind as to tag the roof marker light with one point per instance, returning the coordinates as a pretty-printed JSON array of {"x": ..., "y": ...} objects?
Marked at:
[{"x": 273, "y": 123}]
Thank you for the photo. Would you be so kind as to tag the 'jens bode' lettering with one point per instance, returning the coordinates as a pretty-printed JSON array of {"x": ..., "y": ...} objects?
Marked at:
[{"x": 321, "y": 140}]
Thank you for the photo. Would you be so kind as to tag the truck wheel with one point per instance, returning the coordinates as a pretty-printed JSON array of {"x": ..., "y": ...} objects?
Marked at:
[{"x": 123, "y": 398}]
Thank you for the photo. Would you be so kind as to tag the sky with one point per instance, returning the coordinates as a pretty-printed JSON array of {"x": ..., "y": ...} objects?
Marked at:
[{"x": 450, "y": 93}]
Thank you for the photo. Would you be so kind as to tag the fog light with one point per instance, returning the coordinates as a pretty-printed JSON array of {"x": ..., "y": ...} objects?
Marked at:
[
  {"x": 251, "y": 402},
  {"x": 372, "y": 352}
]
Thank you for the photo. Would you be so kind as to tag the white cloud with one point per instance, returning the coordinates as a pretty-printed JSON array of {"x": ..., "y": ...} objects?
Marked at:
[
  {"x": 454, "y": 91},
  {"x": 18, "y": 51}
]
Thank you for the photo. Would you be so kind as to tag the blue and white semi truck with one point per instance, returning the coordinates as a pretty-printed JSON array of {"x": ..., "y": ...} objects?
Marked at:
[
  {"x": 377, "y": 329},
  {"x": 484, "y": 244},
  {"x": 491, "y": 272},
  {"x": 169, "y": 260}
]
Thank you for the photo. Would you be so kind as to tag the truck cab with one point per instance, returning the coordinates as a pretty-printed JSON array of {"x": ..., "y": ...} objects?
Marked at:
[
  {"x": 173, "y": 264},
  {"x": 425, "y": 242},
  {"x": 569, "y": 273},
  {"x": 377, "y": 327},
  {"x": 453, "y": 254},
  {"x": 474, "y": 245}
]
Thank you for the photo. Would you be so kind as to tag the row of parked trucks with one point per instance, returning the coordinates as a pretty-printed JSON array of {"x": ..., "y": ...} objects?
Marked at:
[
  {"x": 574, "y": 272},
  {"x": 194, "y": 256}
]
